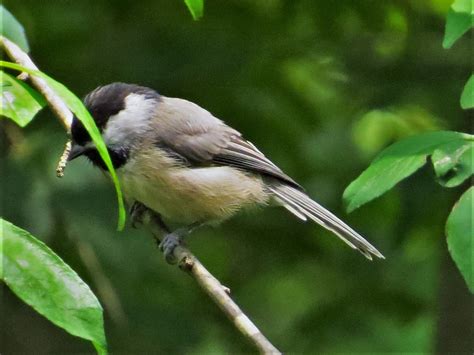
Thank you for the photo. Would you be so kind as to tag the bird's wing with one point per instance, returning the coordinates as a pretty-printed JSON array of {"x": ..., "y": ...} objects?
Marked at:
[
  {"x": 200, "y": 138},
  {"x": 195, "y": 135}
]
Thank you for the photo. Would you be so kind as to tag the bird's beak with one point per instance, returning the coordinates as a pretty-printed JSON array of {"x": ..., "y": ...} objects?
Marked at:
[{"x": 76, "y": 151}]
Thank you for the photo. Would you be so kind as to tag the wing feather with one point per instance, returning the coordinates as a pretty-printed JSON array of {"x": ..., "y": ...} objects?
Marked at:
[{"x": 198, "y": 136}]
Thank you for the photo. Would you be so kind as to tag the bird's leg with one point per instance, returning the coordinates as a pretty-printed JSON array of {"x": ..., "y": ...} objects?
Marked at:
[
  {"x": 171, "y": 240},
  {"x": 157, "y": 221},
  {"x": 140, "y": 214},
  {"x": 156, "y": 218},
  {"x": 137, "y": 213}
]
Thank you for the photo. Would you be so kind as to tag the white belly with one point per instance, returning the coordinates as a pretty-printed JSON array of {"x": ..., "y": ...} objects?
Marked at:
[{"x": 184, "y": 195}]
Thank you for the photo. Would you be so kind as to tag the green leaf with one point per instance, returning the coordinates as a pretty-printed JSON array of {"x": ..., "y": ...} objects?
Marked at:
[
  {"x": 460, "y": 234},
  {"x": 41, "y": 279},
  {"x": 467, "y": 97},
  {"x": 395, "y": 163},
  {"x": 195, "y": 7},
  {"x": 459, "y": 20},
  {"x": 18, "y": 101},
  {"x": 12, "y": 29},
  {"x": 376, "y": 128},
  {"x": 76, "y": 106},
  {"x": 453, "y": 162}
]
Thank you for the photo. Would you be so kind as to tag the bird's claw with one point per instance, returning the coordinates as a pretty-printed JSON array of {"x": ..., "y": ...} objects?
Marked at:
[
  {"x": 168, "y": 245},
  {"x": 137, "y": 214}
]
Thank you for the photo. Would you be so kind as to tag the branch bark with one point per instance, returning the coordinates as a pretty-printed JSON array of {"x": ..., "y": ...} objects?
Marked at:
[
  {"x": 186, "y": 260},
  {"x": 220, "y": 295},
  {"x": 57, "y": 105}
]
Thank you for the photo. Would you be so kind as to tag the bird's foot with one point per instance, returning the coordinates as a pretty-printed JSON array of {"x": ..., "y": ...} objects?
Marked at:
[
  {"x": 172, "y": 240},
  {"x": 137, "y": 213},
  {"x": 168, "y": 245}
]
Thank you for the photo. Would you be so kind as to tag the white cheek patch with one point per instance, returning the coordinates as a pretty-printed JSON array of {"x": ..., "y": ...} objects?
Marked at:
[{"x": 130, "y": 123}]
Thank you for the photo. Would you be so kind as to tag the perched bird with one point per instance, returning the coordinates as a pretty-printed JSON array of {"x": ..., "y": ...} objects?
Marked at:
[{"x": 189, "y": 168}]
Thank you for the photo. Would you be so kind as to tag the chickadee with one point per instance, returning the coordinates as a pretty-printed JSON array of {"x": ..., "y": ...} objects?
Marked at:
[{"x": 188, "y": 167}]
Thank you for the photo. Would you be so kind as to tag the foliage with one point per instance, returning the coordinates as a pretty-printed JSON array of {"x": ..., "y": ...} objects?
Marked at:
[
  {"x": 453, "y": 162},
  {"x": 19, "y": 101},
  {"x": 460, "y": 19},
  {"x": 196, "y": 8},
  {"x": 451, "y": 155},
  {"x": 467, "y": 97},
  {"x": 297, "y": 78},
  {"x": 12, "y": 29},
  {"x": 70, "y": 303},
  {"x": 460, "y": 234},
  {"x": 31, "y": 270},
  {"x": 79, "y": 110},
  {"x": 41, "y": 279}
]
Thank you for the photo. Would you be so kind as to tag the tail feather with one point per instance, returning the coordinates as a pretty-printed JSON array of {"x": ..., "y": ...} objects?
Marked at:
[{"x": 302, "y": 206}]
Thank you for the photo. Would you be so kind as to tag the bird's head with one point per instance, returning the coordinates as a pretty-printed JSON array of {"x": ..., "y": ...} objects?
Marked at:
[{"x": 122, "y": 112}]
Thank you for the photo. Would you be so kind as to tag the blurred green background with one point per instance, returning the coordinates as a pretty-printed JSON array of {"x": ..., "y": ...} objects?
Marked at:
[{"x": 320, "y": 87}]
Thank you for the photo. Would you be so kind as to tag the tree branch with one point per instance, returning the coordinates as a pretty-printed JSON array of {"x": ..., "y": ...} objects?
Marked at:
[
  {"x": 219, "y": 294},
  {"x": 57, "y": 105},
  {"x": 186, "y": 260}
]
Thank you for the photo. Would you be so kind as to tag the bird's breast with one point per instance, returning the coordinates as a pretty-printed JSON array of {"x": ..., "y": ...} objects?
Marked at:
[{"x": 186, "y": 195}]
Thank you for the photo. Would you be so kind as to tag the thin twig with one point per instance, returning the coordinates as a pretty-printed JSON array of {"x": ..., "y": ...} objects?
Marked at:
[
  {"x": 186, "y": 260},
  {"x": 220, "y": 295},
  {"x": 57, "y": 105}
]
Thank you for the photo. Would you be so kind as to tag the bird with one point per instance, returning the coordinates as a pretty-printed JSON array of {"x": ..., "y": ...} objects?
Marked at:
[{"x": 188, "y": 168}]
